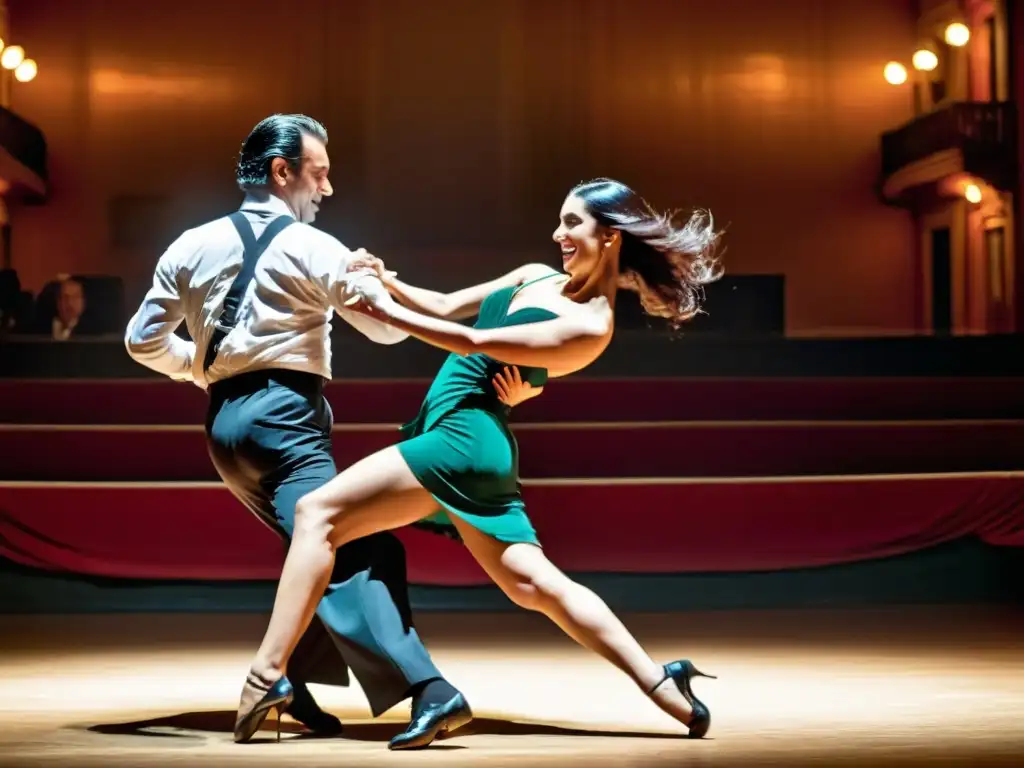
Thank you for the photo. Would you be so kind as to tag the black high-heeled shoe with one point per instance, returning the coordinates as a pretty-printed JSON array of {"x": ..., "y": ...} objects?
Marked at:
[
  {"x": 681, "y": 672},
  {"x": 277, "y": 696}
]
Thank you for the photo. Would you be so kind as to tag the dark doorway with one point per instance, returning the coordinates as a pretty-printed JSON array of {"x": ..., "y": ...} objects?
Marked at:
[{"x": 942, "y": 283}]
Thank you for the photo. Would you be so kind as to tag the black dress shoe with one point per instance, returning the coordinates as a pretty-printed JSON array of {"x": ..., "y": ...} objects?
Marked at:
[
  {"x": 431, "y": 720},
  {"x": 305, "y": 709}
]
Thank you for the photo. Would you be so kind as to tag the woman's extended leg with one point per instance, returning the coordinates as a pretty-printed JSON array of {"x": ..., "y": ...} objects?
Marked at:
[
  {"x": 530, "y": 580},
  {"x": 375, "y": 494}
]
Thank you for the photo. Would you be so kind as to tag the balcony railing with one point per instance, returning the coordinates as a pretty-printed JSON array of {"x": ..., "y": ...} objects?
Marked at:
[
  {"x": 24, "y": 142},
  {"x": 985, "y": 132}
]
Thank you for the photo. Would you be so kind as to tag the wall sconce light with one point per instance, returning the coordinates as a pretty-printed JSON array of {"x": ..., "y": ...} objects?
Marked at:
[
  {"x": 972, "y": 193},
  {"x": 924, "y": 60},
  {"x": 12, "y": 57},
  {"x": 895, "y": 73},
  {"x": 26, "y": 71},
  {"x": 957, "y": 34}
]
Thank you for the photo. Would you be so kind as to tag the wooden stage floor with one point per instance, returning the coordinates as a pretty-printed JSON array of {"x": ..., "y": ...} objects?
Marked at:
[{"x": 892, "y": 687}]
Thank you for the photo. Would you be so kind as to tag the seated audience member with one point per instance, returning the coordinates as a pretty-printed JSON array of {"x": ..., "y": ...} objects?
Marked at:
[
  {"x": 78, "y": 306},
  {"x": 70, "y": 307},
  {"x": 63, "y": 311}
]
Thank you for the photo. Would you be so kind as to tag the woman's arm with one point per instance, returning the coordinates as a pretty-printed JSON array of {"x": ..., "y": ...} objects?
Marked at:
[
  {"x": 459, "y": 304},
  {"x": 562, "y": 346}
]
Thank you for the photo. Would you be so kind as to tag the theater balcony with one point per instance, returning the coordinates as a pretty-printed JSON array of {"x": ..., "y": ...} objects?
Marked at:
[
  {"x": 977, "y": 139},
  {"x": 23, "y": 173}
]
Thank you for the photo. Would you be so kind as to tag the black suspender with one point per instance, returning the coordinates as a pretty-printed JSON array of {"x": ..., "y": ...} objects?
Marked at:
[{"x": 253, "y": 249}]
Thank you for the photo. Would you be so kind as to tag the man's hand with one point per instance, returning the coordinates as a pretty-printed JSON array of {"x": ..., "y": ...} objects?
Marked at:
[
  {"x": 363, "y": 260},
  {"x": 511, "y": 388},
  {"x": 369, "y": 296}
]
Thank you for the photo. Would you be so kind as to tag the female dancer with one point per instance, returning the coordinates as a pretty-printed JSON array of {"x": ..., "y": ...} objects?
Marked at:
[{"x": 459, "y": 455}]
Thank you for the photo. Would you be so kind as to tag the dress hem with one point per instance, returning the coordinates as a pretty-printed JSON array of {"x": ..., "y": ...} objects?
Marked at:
[{"x": 450, "y": 530}]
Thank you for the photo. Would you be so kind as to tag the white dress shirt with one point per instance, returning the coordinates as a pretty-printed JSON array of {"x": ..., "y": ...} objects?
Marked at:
[
  {"x": 284, "y": 315},
  {"x": 62, "y": 332}
]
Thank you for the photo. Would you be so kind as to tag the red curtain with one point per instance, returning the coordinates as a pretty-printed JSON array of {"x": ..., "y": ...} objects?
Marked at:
[
  {"x": 748, "y": 449},
  {"x": 180, "y": 531}
]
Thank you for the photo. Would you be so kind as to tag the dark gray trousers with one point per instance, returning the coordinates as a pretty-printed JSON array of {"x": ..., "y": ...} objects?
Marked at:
[{"x": 269, "y": 436}]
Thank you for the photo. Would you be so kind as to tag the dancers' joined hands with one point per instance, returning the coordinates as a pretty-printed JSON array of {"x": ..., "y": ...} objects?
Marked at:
[
  {"x": 374, "y": 300},
  {"x": 369, "y": 299}
]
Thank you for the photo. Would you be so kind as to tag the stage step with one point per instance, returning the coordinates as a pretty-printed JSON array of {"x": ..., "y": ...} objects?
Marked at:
[
  {"x": 670, "y": 449},
  {"x": 148, "y": 401},
  {"x": 199, "y": 531}
]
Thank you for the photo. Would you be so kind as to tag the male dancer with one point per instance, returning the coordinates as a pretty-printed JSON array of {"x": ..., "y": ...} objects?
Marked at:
[{"x": 256, "y": 291}]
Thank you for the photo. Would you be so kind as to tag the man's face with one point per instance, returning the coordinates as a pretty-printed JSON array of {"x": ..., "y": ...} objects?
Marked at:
[
  {"x": 70, "y": 301},
  {"x": 303, "y": 188}
]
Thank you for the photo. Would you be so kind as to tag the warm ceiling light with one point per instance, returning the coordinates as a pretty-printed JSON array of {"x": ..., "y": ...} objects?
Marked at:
[
  {"x": 26, "y": 71},
  {"x": 925, "y": 60},
  {"x": 12, "y": 57},
  {"x": 895, "y": 73},
  {"x": 957, "y": 34}
]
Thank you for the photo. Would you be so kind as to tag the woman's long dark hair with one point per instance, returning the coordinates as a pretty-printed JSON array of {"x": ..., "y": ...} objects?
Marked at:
[{"x": 666, "y": 265}]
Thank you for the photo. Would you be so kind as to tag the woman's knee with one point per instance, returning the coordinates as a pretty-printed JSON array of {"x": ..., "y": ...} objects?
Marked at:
[
  {"x": 523, "y": 594},
  {"x": 539, "y": 590},
  {"x": 313, "y": 517}
]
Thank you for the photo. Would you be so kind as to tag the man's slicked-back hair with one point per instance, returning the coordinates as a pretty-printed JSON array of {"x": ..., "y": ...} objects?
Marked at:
[{"x": 274, "y": 136}]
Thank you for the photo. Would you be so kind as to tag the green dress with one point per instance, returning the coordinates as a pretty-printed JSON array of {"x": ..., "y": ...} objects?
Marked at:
[{"x": 460, "y": 448}]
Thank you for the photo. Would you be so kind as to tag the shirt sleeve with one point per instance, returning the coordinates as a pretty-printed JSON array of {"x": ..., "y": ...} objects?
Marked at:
[
  {"x": 332, "y": 275},
  {"x": 150, "y": 338}
]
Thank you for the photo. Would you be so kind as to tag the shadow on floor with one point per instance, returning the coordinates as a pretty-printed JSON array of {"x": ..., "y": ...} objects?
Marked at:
[{"x": 180, "y": 726}]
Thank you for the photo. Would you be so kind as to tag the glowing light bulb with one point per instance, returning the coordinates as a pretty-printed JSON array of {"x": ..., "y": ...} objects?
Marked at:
[
  {"x": 957, "y": 34},
  {"x": 895, "y": 73},
  {"x": 26, "y": 71},
  {"x": 12, "y": 57},
  {"x": 972, "y": 192},
  {"x": 925, "y": 60}
]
